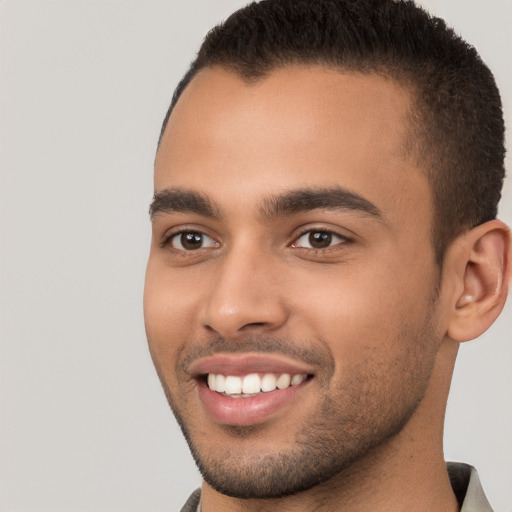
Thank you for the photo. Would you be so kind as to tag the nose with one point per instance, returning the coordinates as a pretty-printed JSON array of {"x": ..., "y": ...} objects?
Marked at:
[{"x": 246, "y": 295}]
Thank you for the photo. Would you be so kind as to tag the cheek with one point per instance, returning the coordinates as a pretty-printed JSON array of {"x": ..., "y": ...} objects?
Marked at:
[
  {"x": 167, "y": 315},
  {"x": 374, "y": 310}
]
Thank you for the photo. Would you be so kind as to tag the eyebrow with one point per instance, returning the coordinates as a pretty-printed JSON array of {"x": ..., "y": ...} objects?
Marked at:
[
  {"x": 295, "y": 201},
  {"x": 303, "y": 200},
  {"x": 181, "y": 201}
]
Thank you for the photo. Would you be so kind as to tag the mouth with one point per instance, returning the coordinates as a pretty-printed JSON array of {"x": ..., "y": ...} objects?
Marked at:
[
  {"x": 248, "y": 390},
  {"x": 253, "y": 384}
]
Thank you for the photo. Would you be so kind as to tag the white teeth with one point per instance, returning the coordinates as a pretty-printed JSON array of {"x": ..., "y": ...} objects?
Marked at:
[
  {"x": 268, "y": 383},
  {"x": 297, "y": 379},
  {"x": 283, "y": 381},
  {"x": 252, "y": 384},
  {"x": 220, "y": 383},
  {"x": 233, "y": 385}
]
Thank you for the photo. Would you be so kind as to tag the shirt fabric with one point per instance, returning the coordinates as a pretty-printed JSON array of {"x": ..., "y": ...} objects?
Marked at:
[{"x": 463, "y": 477}]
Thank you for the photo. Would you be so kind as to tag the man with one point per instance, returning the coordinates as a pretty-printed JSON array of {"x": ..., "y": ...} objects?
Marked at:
[{"x": 324, "y": 238}]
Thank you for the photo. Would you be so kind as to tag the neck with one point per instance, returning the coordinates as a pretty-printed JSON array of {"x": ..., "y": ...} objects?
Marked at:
[{"x": 408, "y": 472}]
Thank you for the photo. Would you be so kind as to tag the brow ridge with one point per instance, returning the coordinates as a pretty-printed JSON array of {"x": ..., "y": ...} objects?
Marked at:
[
  {"x": 303, "y": 200},
  {"x": 183, "y": 201},
  {"x": 291, "y": 202}
]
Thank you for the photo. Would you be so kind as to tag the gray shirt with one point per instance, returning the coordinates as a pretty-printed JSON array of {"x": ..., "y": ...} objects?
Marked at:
[{"x": 464, "y": 479}]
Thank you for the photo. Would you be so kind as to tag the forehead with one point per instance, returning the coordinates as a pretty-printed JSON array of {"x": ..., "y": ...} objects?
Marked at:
[
  {"x": 296, "y": 127},
  {"x": 307, "y": 101}
]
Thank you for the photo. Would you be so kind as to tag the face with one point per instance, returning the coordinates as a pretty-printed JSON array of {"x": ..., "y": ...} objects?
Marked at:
[{"x": 290, "y": 299}]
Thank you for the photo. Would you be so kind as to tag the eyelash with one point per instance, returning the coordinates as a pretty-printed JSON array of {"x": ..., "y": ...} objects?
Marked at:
[
  {"x": 167, "y": 240},
  {"x": 343, "y": 239}
]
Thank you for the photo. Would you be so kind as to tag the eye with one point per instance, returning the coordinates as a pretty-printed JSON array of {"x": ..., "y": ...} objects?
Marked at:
[
  {"x": 191, "y": 241},
  {"x": 319, "y": 239}
]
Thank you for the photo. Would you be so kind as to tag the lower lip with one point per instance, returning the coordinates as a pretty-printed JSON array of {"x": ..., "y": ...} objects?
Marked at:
[{"x": 250, "y": 410}]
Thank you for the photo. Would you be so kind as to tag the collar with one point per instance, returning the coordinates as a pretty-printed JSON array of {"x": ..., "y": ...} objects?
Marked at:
[{"x": 467, "y": 488}]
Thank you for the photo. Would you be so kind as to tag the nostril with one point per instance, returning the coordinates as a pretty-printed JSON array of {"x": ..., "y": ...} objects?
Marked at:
[
  {"x": 247, "y": 316},
  {"x": 246, "y": 327}
]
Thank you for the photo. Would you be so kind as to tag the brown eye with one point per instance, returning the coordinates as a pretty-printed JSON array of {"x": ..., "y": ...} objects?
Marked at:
[
  {"x": 191, "y": 241},
  {"x": 319, "y": 240}
]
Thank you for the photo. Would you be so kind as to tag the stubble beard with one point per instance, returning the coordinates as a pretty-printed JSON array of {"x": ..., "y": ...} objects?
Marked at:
[
  {"x": 320, "y": 454},
  {"x": 340, "y": 438}
]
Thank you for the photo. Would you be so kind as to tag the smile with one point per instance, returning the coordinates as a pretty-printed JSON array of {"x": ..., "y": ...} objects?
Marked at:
[
  {"x": 252, "y": 384},
  {"x": 249, "y": 389}
]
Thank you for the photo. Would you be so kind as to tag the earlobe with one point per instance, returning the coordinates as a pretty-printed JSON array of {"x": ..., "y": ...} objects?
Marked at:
[{"x": 485, "y": 261}]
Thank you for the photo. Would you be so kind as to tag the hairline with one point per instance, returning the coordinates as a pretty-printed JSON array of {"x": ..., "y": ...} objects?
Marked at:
[{"x": 415, "y": 144}]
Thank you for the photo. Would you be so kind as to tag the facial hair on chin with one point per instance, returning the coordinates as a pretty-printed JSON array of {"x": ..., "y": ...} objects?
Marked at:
[{"x": 346, "y": 427}]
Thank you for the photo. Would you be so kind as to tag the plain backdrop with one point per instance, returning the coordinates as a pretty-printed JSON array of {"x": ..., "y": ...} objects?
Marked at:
[{"x": 84, "y": 424}]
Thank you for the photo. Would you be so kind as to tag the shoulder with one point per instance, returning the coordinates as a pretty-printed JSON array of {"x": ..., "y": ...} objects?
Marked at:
[{"x": 193, "y": 502}]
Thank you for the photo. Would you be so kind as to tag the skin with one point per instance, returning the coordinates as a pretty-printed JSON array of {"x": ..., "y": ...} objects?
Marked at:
[{"x": 371, "y": 315}]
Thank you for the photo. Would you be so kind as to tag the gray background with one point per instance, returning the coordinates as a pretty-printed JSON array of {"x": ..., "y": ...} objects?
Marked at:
[{"x": 84, "y": 423}]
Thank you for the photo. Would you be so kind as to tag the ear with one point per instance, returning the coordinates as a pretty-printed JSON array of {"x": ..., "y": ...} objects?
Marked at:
[{"x": 482, "y": 262}]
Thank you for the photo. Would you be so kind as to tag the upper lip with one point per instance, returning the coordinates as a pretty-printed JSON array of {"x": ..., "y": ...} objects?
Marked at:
[{"x": 243, "y": 364}]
